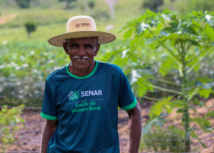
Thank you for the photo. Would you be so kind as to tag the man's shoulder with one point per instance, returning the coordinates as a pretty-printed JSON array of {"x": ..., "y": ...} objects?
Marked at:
[
  {"x": 56, "y": 74},
  {"x": 109, "y": 66}
]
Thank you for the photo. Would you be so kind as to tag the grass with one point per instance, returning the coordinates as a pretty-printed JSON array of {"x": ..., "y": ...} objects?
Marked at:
[
  {"x": 43, "y": 33},
  {"x": 51, "y": 19}
]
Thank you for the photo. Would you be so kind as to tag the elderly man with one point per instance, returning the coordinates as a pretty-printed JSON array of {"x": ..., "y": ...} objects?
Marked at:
[{"x": 81, "y": 99}]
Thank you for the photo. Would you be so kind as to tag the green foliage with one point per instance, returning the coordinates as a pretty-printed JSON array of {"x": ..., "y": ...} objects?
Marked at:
[
  {"x": 10, "y": 123},
  {"x": 23, "y": 3},
  {"x": 30, "y": 27},
  {"x": 158, "y": 122},
  {"x": 23, "y": 72},
  {"x": 101, "y": 15},
  {"x": 67, "y": 3},
  {"x": 91, "y": 4},
  {"x": 163, "y": 140},
  {"x": 152, "y": 4},
  {"x": 176, "y": 50},
  {"x": 199, "y": 5}
]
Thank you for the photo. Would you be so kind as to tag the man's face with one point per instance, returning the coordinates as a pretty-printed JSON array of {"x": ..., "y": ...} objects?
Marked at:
[{"x": 81, "y": 52}]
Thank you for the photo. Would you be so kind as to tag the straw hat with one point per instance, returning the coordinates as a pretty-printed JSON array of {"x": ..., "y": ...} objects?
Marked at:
[{"x": 81, "y": 26}]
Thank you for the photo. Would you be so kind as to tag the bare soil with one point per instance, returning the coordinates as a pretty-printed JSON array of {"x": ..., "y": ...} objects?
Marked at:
[{"x": 7, "y": 18}]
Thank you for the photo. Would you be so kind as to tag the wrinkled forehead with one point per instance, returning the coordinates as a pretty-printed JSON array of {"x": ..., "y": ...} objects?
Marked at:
[{"x": 85, "y": 40}]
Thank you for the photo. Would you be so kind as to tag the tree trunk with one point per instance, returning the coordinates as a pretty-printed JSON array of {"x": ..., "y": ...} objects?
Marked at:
[
  {"x": 186, "y": 103},
  {"x": 85, "y": 7},
  {"x": 111, "y": 7},
  {"x": 67, "y": 4},
  {"x": 29, "y": 35}
]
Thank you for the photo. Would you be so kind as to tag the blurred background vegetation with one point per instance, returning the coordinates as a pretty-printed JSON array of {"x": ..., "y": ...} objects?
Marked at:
[
  {"x": 51, "y": 15},
  {"x": 26, "y": 25},
  {"x": 27, "y": 59}
]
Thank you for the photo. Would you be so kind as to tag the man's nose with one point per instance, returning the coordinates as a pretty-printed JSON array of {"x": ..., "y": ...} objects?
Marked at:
[{"x": 81, "y": 51}]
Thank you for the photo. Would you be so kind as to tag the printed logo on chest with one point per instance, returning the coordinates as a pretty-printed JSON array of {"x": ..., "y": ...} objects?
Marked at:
[
  {"x": 91, "y": 93},
  {"x": 74, "y": 95}
]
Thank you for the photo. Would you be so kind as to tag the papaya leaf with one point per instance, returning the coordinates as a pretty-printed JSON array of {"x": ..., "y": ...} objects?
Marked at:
[
  {"x": 158, "y": 107},
  {"x": 203, "y": 123},
  {"x": 210, "y": 114},
  {"x": 194, "y": 135},
  {"x": 158, "y": 121}
]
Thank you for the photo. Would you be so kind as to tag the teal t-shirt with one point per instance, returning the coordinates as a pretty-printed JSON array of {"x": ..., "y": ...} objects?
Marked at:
[{"x": 86, "y": 109}]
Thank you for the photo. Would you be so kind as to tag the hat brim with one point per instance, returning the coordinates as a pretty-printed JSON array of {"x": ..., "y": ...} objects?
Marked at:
[{"x": 103, "y": 37}]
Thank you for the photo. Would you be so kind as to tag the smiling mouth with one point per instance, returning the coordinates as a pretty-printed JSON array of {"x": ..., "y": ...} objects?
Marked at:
[{"x": 82, "y": 58}]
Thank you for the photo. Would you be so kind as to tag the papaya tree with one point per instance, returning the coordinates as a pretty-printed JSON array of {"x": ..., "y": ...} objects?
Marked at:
[{"x": 171, "y": 54}]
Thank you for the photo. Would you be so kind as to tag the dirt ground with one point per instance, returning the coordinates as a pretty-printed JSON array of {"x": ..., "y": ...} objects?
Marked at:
[{"x": 29, "y": 139}]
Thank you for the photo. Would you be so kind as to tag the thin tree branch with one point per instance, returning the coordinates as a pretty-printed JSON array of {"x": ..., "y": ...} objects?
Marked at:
[
  {"x": 162, "y": 44},
  {"x": 199, "y": 61},
  {"x": 200, "y": 68},
  {"x": 160, "y": 88},
  {"x": 197, "y": 55},
  {"x": 165, "y": 81},
  {"x": 149, "y": 98}
]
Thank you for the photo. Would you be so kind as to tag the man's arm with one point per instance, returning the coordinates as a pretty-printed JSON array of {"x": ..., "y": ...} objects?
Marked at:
[
  {"x": 135, "y": 126},
  {"x": 49, "y": 128}
]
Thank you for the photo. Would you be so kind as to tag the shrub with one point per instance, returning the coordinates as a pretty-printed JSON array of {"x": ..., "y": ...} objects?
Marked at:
[
  {"x": 10, "y": 122},
  {"x": 91, "y": 4},
  {"x": 30, "y": 27},
  {"x": 23, "y": 3},
  {"x": 152, "y": 4},
  {"x": 160, "y": 140}
]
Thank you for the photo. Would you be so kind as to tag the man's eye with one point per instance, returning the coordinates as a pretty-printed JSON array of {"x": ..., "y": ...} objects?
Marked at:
[
  {"x": 88, "y": 46},
  {"x": 74, "y": 46}
]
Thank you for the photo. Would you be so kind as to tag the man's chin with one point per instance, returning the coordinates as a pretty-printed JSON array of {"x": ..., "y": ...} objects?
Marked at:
[{"x": 82, "y": 66}]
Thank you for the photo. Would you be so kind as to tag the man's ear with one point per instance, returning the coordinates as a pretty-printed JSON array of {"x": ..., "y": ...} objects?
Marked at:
[
  {"x": 97, "y": 49},
  {"x": 65, "y": 46}
]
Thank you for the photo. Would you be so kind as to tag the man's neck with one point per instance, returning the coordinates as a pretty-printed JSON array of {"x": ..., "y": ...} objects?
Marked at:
[{"x": 82, "y": 72}]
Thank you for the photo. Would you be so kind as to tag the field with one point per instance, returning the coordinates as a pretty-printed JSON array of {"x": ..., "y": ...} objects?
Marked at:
[
  {"x": 52, "y": 21},
  {"x": 167, "y": 58}
]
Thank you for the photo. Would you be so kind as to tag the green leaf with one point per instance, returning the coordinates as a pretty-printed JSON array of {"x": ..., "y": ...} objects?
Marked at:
[
  {"x": 205, "y": 93},
  {"x": 158, "y": 121},
  {"x": 210, "y": 114},
  {"x": 208, "y": 85},
  {"x": 128, "y": 33},
  {"x": 158, "y": 107},
  {"x": 194, "y": 135},
  {"x": 203, "y": 123}
]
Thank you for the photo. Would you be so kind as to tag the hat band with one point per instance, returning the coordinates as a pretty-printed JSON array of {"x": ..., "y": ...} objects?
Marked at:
[{"x": 81, "y": 26}]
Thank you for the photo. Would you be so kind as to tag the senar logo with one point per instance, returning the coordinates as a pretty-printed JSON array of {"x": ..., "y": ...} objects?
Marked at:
[{"x": 73, "y": 96}]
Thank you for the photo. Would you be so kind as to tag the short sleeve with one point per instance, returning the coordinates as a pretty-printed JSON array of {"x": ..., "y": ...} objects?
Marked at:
[
  {"x": 127, "y": 99},
  {"x": 49, "y": 110}
]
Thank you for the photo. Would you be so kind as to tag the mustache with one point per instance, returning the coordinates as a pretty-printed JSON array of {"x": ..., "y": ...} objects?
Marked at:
[{"x": 81, "y": 57}]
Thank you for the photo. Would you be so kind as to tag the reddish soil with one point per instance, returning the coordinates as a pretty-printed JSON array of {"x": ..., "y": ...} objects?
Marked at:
[
  {"x": 29, "y": 139},
  {"x": 7, "y": 18}
]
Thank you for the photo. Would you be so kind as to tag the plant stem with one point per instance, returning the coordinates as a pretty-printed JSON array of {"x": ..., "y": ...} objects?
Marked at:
[
  {"x": 201, "y": 67},
  {"x": 185, "y": 100},
  {"x": 173, "y": 56},
  {"x": 160, "y": 88},
  {"x": 149, "y": 98},
  {"x": 165, "y": 81}
]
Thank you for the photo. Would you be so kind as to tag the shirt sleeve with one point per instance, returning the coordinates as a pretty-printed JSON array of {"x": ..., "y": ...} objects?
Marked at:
[
  {"x": 127, "y": 99},
  {"x": 49, "y": 110}
]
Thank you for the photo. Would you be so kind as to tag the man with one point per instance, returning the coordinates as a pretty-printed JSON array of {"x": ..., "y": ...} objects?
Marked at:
[{"x": 81, "y": 99}]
